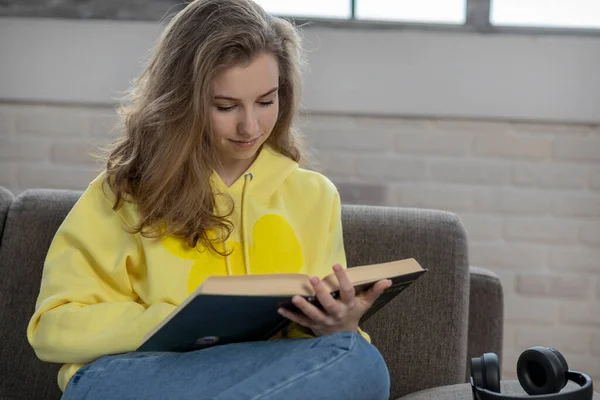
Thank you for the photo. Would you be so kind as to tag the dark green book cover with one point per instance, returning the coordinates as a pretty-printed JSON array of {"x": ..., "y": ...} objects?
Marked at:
[{"x": 210, "y": 319}]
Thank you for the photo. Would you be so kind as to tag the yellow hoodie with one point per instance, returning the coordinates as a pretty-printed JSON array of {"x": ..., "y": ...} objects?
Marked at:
[{"x": 103, "y": 288}]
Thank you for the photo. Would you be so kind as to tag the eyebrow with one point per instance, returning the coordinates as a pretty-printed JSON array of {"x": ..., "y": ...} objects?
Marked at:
[{"x": 234, "y": 99}]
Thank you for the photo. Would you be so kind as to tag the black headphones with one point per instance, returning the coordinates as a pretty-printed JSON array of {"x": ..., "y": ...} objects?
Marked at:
[{"x": 542, "y": 373}]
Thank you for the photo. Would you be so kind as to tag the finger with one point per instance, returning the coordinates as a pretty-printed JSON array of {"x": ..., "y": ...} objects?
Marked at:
[
  {"x": 347, "y": 292},
  {"x": 372, "y": 294},
  {"x": 309, "y": 310},
  {"x": 331, "y": 305},
  {"x": 295, "y": 317}
]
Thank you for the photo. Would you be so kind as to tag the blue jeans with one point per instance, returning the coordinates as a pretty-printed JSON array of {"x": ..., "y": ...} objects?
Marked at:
[{"x": 340, "y": 366}]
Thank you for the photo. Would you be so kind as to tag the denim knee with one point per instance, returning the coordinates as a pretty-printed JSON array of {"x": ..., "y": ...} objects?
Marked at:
[
  {"x": 363, "y": 360},
  {"x": 372, "y": 367}
]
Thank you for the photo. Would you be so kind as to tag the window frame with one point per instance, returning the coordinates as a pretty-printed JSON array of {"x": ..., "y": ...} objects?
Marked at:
[{"x": 477, "y": 21}]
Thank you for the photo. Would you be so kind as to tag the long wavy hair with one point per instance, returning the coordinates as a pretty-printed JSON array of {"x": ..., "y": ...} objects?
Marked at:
[{"x": 165, "y": 155}]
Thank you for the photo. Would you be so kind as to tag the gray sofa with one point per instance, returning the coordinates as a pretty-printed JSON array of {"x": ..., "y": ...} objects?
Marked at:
[{"x": 427, "y": 335}]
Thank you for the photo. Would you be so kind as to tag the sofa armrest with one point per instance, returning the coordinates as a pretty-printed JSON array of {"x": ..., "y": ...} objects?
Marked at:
[
  {"x": 422, "y": 334},
  {"x": 486, "y": 315}
]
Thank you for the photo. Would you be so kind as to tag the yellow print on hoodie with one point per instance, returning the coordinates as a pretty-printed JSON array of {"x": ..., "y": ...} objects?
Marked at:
[{"x": 273, "y": 248}]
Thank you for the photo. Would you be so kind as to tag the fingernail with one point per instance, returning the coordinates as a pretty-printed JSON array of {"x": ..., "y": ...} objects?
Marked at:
[
  {"x": 314, "y": 280},
  {"x": 337, "y": 267}
]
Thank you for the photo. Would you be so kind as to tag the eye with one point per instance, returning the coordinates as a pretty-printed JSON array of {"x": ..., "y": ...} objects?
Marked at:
[
  {"x": 266, "y": 103},
  {"x": 225, "y": 109}
]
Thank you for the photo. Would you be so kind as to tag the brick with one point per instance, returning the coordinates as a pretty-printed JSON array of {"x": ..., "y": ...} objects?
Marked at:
[
  {"x": 73, "y": 153},
  {"x": 577, "y": 205},
  {"x": 551, "y": 176},
  {"x": 590, "y": 233},
  {"x": 52, "y": 121},
  {"x": 595, "y": 179},
  {"x": 447, "y": 144},
  {"x": 541, "y": 230},
  {"x": 42, "y": 176},
  {"x": 103, "y": 123},
  {"x": 8, "y": 175},
  {"x": 384, "y": 168},
  {"x": 21, "y": 149},
  {"x": 470, "y": 172},
  {"x": 355, "y": 140},
  {"x": 482, "y": 226},
  {"x": 509, "y": 335},
  {"x": 581, "y": 314},
  {"x": 577, "y": 149},
  {"x": 7, "y": 121},
  {"x": 362, "y": 193},
  {"x": 574, "y": 258},
  {"x": 588, "y": 363},
  {"x": 392, "y": 124},
  {"x": 339, "y": 164},
  {"x": 513, "y": 146},
  {"x": 596, "y": 344},
  {"x": 564, "y": 338},
  {"x": 511, "y": 255},
  {"x": 439, "y": 197},
  {"x": 508, "y": 279},
  {"x": 510, "y": 355},
  {"x": 551, "y": 128},
  {"x": 318, "y": 122},
  {"x": 466, "y": 126},
  {"x": 543, "y": 284},
  {"x": 511, "y": 201},
  {"x": 519, "y": 310}
]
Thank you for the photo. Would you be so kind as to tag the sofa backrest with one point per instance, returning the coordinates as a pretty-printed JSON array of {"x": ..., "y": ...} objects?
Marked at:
[
  {"x": 30, "y": 225},
  {"x": 422, "y": 334},
  {"x": 6, "y": 199}
]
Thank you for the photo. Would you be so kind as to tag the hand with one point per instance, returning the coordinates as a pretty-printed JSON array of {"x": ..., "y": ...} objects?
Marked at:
[{"x": 337, "y": 314}]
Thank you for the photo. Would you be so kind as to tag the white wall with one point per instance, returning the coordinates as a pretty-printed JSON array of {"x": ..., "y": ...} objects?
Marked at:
[
  {"x": 502, "y": 130},
  {"x": 388, "y": 72}
]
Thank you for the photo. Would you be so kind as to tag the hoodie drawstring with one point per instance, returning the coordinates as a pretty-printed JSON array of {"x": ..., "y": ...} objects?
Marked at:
[
  {"x": 227, "y": 258},
  {"x": 243, "y": 222},
  {"x": 248, "y": 176}
]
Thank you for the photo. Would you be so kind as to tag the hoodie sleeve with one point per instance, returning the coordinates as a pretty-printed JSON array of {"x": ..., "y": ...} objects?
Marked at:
[
  {"x": 86, "y": 306},
  {"x": 335, "y": 252}
]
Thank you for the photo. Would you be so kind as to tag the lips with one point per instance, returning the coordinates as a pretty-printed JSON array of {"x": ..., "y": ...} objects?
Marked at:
[{"x": 244, "y": 143}]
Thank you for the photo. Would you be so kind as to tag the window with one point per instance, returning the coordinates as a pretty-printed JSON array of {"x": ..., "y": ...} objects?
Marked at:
[
  {"x": 546, "y": 13},
  {"x": 432, "y": 11},
  {"x": 308, "y": 8}
]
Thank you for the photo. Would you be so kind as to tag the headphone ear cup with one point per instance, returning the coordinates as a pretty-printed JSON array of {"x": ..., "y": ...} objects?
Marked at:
[
  {"x": 485, "y": 372},
  {"x": 542, "y": 370}
]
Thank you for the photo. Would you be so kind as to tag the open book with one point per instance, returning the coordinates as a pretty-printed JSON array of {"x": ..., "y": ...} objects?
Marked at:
[{"x": 242, "y": 308}]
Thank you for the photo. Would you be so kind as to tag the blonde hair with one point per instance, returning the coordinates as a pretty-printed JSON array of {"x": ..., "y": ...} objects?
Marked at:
[{"x": 165, "y": 155}]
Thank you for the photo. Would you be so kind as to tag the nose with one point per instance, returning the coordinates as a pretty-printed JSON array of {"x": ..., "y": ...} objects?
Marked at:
[{"x": 248, "y": 126}]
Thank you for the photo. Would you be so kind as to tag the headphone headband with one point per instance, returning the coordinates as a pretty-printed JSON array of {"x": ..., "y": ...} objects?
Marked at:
[{"x": 585, "y": 392}]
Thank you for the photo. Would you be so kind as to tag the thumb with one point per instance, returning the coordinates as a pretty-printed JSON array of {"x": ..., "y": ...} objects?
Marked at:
[{"x": 372, "y": 294}]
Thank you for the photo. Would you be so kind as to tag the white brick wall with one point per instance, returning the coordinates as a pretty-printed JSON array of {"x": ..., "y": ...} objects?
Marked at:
[{"x": 528, "y": 194}]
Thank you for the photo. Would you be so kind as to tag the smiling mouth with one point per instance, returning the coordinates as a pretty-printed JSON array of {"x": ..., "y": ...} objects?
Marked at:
[{"x": 245, "y": 143}]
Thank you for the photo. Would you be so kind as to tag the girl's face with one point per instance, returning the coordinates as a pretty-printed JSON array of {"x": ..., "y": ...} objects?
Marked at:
[{"x": 244, "y": 109}]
